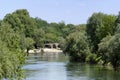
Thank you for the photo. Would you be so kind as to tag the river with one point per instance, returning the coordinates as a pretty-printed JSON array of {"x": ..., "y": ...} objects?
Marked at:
[{"x": 57, "y": 67}]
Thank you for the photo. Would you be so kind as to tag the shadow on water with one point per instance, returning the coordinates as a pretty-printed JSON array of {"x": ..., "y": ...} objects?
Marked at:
[{"x": 57, "y": 67}]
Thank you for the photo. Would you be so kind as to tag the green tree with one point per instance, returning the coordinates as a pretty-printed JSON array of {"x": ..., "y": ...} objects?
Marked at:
[
  {"x": 99, "y": 26},
  {"x": 67, "y": 29},
  {"x": 77, "y": 46},
  {"x": 12, "y": 57},
  {"x": 39, "y": 38},
  {"x": 109, "y": 47},
  {"x": 9, "y": 36},
  {"x": 103, "y": 49},
  {"x": 21, "y": 22},
  {"x": 114, "y": 50},
  {"x": 29, "y": 43},
  {"x": 41, "y": 23}
]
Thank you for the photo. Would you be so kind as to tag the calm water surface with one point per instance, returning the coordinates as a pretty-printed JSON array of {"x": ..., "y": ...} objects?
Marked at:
[{"x": 57, "y": 67}]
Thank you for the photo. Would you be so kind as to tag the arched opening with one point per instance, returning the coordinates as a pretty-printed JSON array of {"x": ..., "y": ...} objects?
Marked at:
[
  {"x": 47, "y": 46},
  {"x": 54, "y": 46}
]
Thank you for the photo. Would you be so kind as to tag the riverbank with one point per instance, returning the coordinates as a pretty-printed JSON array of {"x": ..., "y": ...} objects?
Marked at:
[{"x": 45, "y": 50}]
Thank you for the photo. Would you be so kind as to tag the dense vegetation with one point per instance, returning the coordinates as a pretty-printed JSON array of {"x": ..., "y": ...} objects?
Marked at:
[
  {"x": 20, "y": 32},
  {"x": 99, "y": 42}
]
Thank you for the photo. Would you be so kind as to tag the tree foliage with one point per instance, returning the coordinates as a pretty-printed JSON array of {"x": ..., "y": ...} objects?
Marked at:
[
  {"x": 11, "y": 56},
  {"x": 97, "y": 40},
  {"x": 103, "y": 35},
  {"x": 99, "y": 26},
  {"x": 20, "y": 32},
  {"x": 109, "y": 47},
  {"x": 77, "y": 46}
]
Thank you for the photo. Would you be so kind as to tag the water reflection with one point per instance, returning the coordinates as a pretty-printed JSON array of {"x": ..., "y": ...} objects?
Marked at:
[
  {"x": 49, "y": 67},
  {"x": 57, "y": 67},
  {"x": 90, "y": 72}
]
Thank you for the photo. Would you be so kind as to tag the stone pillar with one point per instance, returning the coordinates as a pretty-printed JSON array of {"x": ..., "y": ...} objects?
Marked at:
[{"x": 51, "y": 45}]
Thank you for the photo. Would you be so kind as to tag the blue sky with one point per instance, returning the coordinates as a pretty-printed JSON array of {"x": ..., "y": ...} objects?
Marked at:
[{"x": 69, "y": 11}]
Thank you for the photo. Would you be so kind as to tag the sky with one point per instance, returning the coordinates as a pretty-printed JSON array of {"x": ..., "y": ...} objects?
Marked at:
[{"x": 69, "y": 11}]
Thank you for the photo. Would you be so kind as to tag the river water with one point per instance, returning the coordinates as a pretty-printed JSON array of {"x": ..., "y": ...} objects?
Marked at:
[{"x": 57, "y": 67}]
